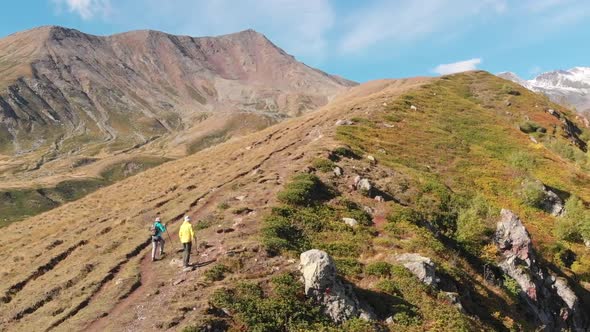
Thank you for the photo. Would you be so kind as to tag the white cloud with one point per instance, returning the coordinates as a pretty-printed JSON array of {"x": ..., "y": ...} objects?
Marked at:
[
  {"x": 457, "y": 67},
  {"x": 385, "y": 21},
  {"x": 86, "y": 9}
]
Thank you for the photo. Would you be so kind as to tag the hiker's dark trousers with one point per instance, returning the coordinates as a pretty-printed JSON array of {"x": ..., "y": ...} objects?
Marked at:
[{"x": 186, "y": 255}]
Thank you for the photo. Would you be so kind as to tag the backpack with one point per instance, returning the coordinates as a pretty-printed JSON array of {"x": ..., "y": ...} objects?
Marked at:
[{"x": 153, "y": 230}]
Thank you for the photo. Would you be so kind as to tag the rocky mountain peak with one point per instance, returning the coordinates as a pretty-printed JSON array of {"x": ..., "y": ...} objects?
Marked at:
[{"x": 570, "y": 87}]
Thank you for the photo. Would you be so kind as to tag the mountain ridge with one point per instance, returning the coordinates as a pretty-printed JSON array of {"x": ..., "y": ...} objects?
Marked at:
[{"x": 570, "y": 87}]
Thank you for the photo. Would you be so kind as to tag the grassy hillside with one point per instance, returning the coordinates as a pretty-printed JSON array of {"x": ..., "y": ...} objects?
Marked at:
[
  {"x": 446, "y": 155},
  {"x": 21, "y": 203}
]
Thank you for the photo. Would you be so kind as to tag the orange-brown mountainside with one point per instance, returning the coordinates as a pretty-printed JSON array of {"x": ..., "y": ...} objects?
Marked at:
[
  {"x": 58, "y": 84},
  {"x": 449, "y": 204},
  {"x": 75, "y": 106}
]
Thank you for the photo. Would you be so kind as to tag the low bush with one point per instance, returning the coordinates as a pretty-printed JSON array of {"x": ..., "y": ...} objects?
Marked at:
[
  {"x": 283, "y": 307},
  {"x": 378, "y": 269},
  {"x": 343, "y": 152},
  {"x": 438, "y": 206},
  {"x": 523, "y": 161},
  {"x": 511, "y": 286},
  {"x": 281, "y": 234},
  {"x": 216, "y": 273},
  {"x": 387, "y": 286},
  {"x": 349, "y": 267},
  {"x": 474, "y": 225},
  {"x": 532, "y": 193},
  {"x": 574, "y": 225},
  {"x": 323, "y": 164},
  {"x": 304, "y": 190},
  {"x": 531, "y": 127}
]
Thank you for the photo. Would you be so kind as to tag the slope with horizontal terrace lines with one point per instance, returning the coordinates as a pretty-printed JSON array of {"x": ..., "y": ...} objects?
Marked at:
[
  {"x": 73, "y": 106},
  {"x": 64, "y": 265},
  {"x": 85, "y": 265}
]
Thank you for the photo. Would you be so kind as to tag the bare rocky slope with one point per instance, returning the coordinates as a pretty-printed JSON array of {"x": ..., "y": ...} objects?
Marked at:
[
  {"x": 75, "y": 106},
  {"x": 449, "y": 204}
]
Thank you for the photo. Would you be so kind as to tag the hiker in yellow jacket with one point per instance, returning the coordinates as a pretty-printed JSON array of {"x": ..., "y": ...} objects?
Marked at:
[{"x": 186, "y": 236}]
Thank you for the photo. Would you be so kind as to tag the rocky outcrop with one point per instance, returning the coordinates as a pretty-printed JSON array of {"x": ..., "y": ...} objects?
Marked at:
[
  {"x": 322, "y": 284},
  {"x": 363, "y": 185},
  {"x": 552, "y": 203},
  {"x": 551, "y": 300},
  {"x": 422, "y": 267}
]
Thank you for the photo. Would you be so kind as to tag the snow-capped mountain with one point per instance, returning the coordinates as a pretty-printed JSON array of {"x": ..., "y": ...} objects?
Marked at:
[{"x": 569, "y": 87}]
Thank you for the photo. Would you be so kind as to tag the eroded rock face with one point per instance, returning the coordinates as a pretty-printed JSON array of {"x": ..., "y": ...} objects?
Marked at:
[
  {"x": 422, "y": 267},
  {"x": 552, "y": 301},
  {"x": 552, "y": 203},
  {"x": 322, "y": 284}
]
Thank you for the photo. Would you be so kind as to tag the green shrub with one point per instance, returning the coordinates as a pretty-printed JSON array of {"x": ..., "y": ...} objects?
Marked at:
[
  {"x": 359, "y": 325},
  {"x": 216, "y": 273},
  {"x": 223, "y": 206},
  {"x": 574, "y": 225},
  {"x": 323, "y": 164},
  {"x": 437, "y": 205},
  {"x": 202, "y": 224},
  {"x": 532, "y": 193},
  {"x": 388, "y": 286},
  {"x": 510, "y": 90},
  {"x": 343, "y": 152},
  {"x": 378, "y": 269},
  {"x": 283, "y": 307},
  {"x": 523, "y": 161},
  {"x": 280, "y": 234},
  {"x": 349, "y": 267},
  {"x": 474, "y": 225},
  {"x": 304, "y": 189},
  {"x": 511, "y": 286},
  {"x": 530, "y": 127},
  {"x": 401, "y": 213}
]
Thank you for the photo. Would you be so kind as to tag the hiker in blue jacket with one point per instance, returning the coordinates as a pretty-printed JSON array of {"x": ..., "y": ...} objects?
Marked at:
[{"x": 157, "y": 239}]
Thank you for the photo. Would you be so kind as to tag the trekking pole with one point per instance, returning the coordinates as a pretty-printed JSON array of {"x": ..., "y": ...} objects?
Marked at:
[{"x": 169, "y": 238}]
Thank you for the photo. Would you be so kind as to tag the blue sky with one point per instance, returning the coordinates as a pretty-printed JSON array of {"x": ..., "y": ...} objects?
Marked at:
[{"x": 360, "y": 40}]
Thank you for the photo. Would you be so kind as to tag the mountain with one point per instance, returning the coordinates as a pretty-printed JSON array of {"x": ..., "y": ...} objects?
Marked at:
[
  {"x": 75, "y": 106},
  {"x": 568, "y": 87},
  {"x": 432, "y": 203}
]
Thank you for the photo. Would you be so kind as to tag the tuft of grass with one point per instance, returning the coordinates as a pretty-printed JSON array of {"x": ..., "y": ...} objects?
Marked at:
[
  {"x": 379, "y": 269},
  {"x": 216, "y": 273},
  {"x": 323, "y": 164},
  {"x": 280, "y": 307},
  {"x": 304, "y": 190}
]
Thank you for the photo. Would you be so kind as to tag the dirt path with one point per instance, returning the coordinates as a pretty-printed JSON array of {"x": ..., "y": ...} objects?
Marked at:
[{"x": 147, "y": 275}]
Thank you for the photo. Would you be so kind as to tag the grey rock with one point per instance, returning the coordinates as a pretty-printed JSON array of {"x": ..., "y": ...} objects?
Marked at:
[
  {"x": 322, "y": 284},
  {"x": 554, "y": 304},
  {"x": 344, "y": 123},
  {"x": 454, "y": 298},
  {"x": 422, "y": 267},
  {"x": 350, "y": 222},
  {"x": 552, "y": 203},
  {"x": 413, "y": 108},
  {"x": 379, "y": 199},
  {"x": 554, "y": 113},
  {"x": 372, "y": 159},
  {"x": 364, "y": 185},
  {"x": 338, "y": 171}
]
